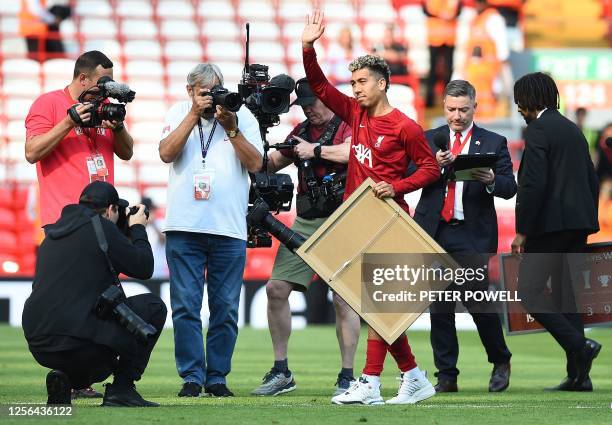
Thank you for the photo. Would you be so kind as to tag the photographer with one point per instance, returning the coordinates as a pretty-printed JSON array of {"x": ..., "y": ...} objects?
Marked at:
[
  {"x": 210, "y": 149},
  {"x": 72, "y": 272},
  {"x": 69, "y": 155},
  {"x": 323, "y": 143}
]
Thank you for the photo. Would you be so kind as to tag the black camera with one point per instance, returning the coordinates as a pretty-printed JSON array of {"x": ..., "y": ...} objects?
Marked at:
[
  {"x": 111, "y": 305},
  {"x": 266, "y": 98},
  {"x": 259, "y": 218},
  {"x": 124, "y": 218},
  {"x": 223, "y": 97},
  {"x": 101, "y": 109}
]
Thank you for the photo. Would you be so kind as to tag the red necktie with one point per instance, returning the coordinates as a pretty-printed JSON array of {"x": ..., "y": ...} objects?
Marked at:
[{"x": 448, "y": 209}]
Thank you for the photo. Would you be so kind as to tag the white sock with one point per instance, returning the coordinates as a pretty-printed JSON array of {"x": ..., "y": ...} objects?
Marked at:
[
  {"x": 414, "y": 373},
  {"x": 372, "y": 379}
]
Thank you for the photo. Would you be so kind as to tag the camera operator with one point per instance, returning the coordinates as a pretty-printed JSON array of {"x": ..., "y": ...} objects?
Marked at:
[
  {"x": 68, "y": 155},
  {"x": 324, "y": 143},
  {"x": 210, "y": 150},
  {"x": 72, "y": 271}
]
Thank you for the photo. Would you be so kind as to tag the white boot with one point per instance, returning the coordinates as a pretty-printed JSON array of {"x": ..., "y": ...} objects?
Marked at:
[
  {"x": 412, "y": 390},
  {"x": 361, "y": 391}
]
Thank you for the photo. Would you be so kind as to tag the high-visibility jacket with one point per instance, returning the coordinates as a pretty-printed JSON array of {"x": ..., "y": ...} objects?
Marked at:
[
  {"x": 31, "y": 25},
  {"x": 512, "y": 4},
  {"x": 441, "y": 21},
  {"x": 482, "y": 64}
]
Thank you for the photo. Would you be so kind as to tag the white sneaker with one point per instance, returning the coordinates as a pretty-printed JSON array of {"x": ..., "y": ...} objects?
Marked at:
[
  {"x": 360, "y": 392},
  {"x": 412, "y": 391}
]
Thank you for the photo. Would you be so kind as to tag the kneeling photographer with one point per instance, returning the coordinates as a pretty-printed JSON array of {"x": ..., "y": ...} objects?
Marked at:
[
  {"x": 77, "y": 321},
  {"x": 319, "y": 147}
]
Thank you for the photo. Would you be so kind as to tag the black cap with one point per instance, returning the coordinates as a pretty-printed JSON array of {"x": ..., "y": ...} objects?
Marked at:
[
  {"x": 305, "y": 95},
  {"x": 101, "y": 194}
]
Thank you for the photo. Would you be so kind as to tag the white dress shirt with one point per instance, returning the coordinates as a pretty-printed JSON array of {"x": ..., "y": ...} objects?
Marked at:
[{"x": 458, "y": 211}]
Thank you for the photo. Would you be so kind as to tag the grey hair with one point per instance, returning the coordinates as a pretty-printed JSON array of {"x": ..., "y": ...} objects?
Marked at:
[
  {"x": 458, "y": 88},
  {"x": 204, "y": 74},
  {"x": 374, "y": 64}
]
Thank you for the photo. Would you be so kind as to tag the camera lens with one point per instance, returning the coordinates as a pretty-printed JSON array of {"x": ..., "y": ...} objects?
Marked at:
[{"x": 112, "y": 111}]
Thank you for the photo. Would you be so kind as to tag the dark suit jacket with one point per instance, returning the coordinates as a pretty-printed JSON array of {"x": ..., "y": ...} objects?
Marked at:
[
  {"x": 478, "y": 206},
  {"x": 558, "y": 187}
]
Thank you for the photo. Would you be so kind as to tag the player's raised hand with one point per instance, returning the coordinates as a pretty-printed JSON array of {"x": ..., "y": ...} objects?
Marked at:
[{"x": 314, "y": 28}]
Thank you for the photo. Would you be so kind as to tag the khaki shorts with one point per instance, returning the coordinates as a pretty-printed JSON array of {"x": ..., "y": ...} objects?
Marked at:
[{"x": 288, "y": 266}]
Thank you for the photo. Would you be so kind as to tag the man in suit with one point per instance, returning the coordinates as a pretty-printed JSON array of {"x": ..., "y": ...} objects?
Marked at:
[
  {"x": 461, "y": 217},
  {"x": 556, "y": 209}
]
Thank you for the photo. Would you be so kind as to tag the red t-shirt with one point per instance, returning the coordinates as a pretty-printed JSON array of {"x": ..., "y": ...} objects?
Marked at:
[
  {"x": 323, "y": 167},
  {"x": 63, "y": 173},
  {"x": 381, "y": 147}
]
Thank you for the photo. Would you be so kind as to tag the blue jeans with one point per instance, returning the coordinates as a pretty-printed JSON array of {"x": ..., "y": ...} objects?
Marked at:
[{"x": 189, "y": 256}]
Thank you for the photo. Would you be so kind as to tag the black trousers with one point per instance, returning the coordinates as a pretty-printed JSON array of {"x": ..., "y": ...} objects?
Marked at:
[
  {"x": 557, "y": 311},
  {"x": 92, "y": 362},
  {"x": 436, "y": 54},
  {"x": 455, "y": 239}
]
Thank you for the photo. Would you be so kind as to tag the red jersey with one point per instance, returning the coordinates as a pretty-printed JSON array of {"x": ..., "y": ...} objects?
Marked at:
[
  {"x": 63, "y": 173},
  {"x": 382, "y": 147}
]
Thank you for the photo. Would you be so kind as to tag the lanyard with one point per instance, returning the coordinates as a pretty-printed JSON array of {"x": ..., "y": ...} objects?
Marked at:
[
  {"x": 467, "y": 138},
  {"x": 210, "y": 136}
]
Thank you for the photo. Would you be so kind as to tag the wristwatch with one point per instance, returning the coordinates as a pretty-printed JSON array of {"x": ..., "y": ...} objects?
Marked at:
[
  {"x": 118, "y": 128},
  {"x": 233, "y": 133}
]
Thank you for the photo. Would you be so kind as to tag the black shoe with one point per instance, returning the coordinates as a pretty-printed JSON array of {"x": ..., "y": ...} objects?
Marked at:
[
  {"x": 190, "y": 389},
  {"x": 124, "y": 397},
  {"x": 500, "y": 377},
  {"x": 584, "y": 360},
  {"x": 446, "y": 386},
  {"x": 88, "y": 392},
  {"x": 219, "y": 390},
  {"x": 569, "y": 384},
  {"x": 58, "y": 388}
]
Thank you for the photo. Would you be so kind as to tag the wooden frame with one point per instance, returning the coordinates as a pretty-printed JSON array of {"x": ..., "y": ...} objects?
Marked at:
[{"x": 366, "y": 224}]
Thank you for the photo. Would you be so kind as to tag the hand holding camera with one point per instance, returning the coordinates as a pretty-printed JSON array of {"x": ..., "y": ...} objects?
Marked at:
[
  {"x": 79, "y": 113},
  {"x": 138, "y": 214},
  {"x": 304, "y": 149},
  {"x": 202, "y": 102}
]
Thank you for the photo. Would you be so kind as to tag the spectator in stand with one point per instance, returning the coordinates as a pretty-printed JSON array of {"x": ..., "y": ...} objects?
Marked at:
[
  {"x": 393, "y": 51},
  {"x": 40, "y": 27},
  {"x": 340, "y": 54},
  {"x": 589, "y": 134}
]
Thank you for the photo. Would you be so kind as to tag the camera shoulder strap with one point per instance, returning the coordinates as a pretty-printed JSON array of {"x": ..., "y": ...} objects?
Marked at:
[
  {"x": 103, "y": 244},
  {"x": 327, "y": 138}
]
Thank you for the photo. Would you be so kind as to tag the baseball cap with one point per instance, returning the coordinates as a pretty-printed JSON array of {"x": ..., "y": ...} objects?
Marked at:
[
  {"x": 101, "y": 194},
  {"x": 305, "y": 95}
]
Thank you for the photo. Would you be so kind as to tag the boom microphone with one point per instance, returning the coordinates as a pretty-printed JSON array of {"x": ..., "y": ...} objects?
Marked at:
[{"x": 119, "y": 91}]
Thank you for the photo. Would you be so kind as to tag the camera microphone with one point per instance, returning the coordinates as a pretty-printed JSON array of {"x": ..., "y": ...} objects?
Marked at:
[
  {"x": 441, "y": 140},
  {"x": 119, "y": 91}
]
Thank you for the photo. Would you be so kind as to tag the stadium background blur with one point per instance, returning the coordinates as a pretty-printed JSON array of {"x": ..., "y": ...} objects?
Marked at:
[{"x": 155, "y": 43}]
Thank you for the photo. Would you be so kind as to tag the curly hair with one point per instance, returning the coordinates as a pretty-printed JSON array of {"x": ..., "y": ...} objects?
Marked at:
[
  {"x": 375, "y": 64},
  {"x": 536, "y": 91}
]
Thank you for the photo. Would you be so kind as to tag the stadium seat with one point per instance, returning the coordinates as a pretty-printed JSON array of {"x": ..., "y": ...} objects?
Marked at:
[
  {"x": 147, "y": 153},
  {"x": 217, "y": 30},
  {"x": 178, "y": 29},
  {"x": 187, "y": 50},
  {"x": 124, "y": 173},
  {"x": 20, "y": 67},
  {"x": 15, "y": 86},
  {"x": 294, "y": 10},
  {"x": 262, "y": 30},
  {"x": 144, "y": 69},
  {"x": 153, "y": 173},
  {"x": 98, "y": 28},
  {"x": 142, "y": 49},
  {"x": 93, "y": 8},
  {"x": 175, "y": 9},
  {"x": 177, "y": 70},
  {"x": 339, "y": 11},
  {"x": 216, "y": 9},
  {"x": 377, "y": 11},
  {"x": 141, "y": 110},
  {"x": 9, "y": 25},
  {"x": 15, "y": 150},
  {"x": 58, "y": 68},
  {"x": 265, "y": 51},
  {"x": 111, "y": 48},
  {"x": 373, "y": 32},
  {"x": 224, "y": 50},
  {"x": 23, "y": 172},
  {"x": 15, "y": 130},
  {"x": 147, "y": 131},
  {"x": 255, "y": 10},
  {"x": 13, "y": 47},
  {"x": 138, "y": 29},
  {"x": 17, "y": 107},
  {"x": 134, "y": 9}
]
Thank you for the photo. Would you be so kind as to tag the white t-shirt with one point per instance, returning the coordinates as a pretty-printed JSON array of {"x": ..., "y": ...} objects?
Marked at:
[{"x": 224, "y": 213}]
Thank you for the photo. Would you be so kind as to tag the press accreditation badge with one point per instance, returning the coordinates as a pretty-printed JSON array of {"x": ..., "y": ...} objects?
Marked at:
[
  {"x": 92, "y": 170},
  {"x": 202, "y": 184},
  {"x": 100, "y": 164}
]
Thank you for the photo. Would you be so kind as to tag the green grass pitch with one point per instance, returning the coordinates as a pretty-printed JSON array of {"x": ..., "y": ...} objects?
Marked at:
[{"x": 314, "y": 359}]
